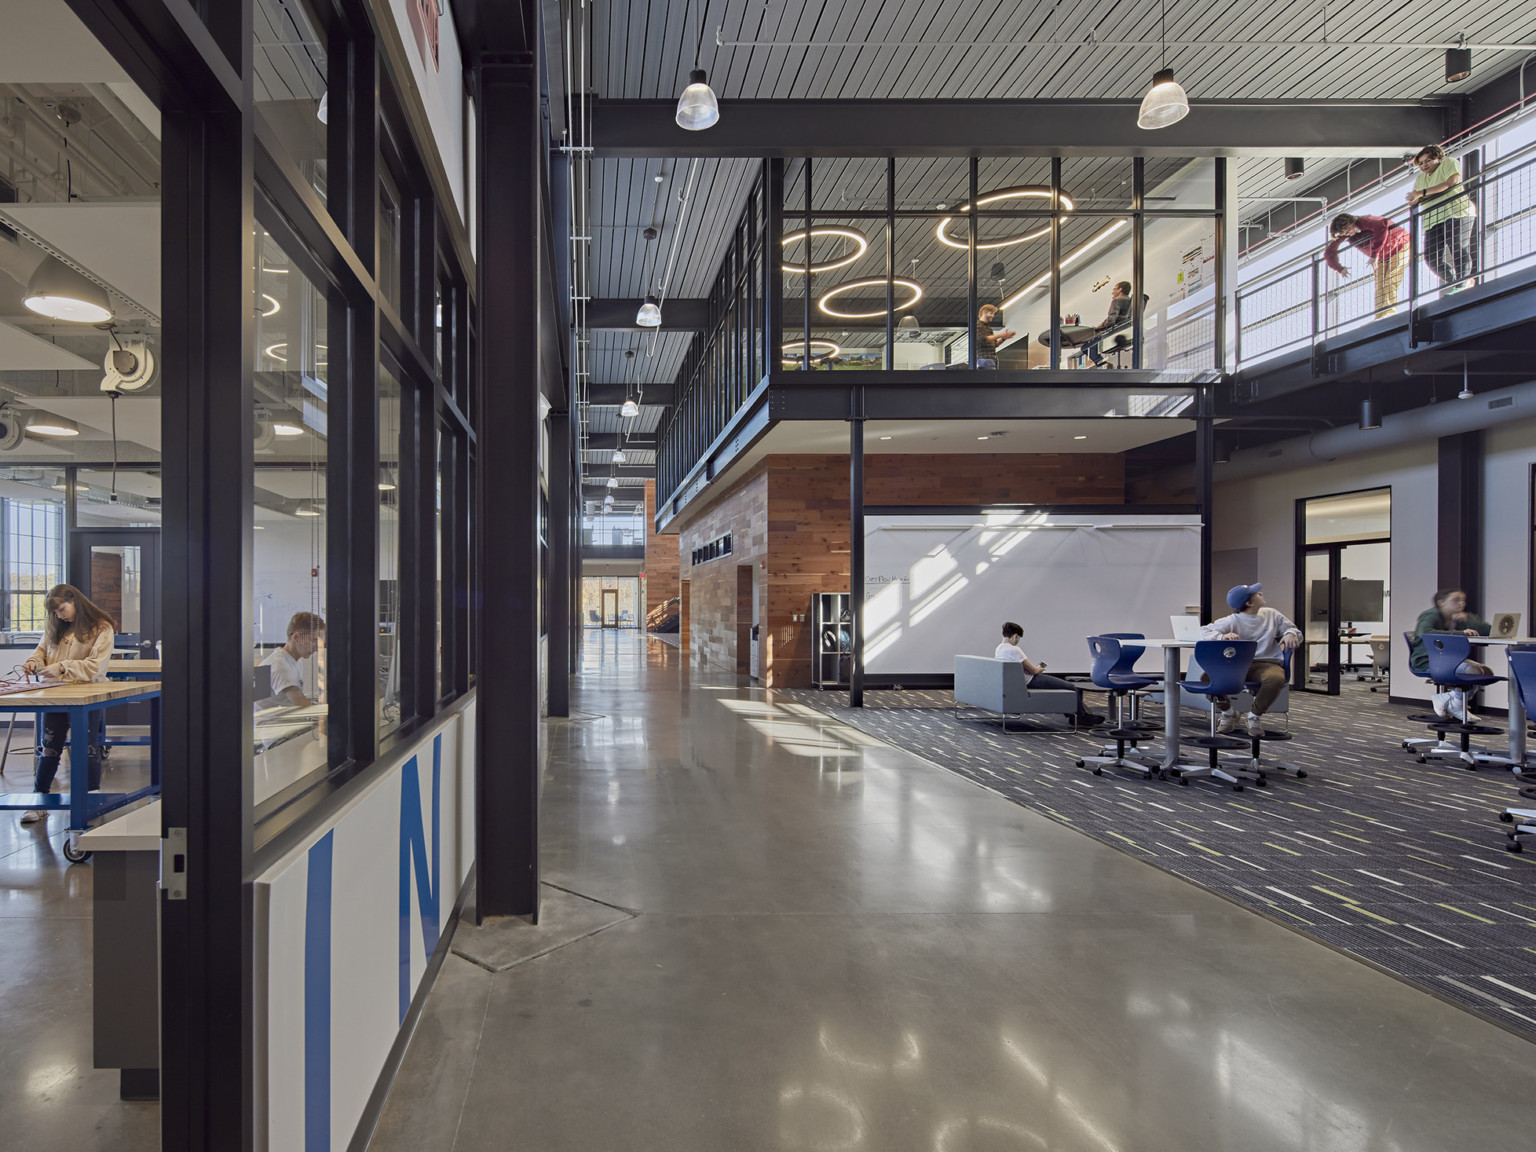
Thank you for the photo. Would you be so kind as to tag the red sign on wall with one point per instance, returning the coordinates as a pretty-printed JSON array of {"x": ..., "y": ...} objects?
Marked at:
[{"x": 426, "y": 15}]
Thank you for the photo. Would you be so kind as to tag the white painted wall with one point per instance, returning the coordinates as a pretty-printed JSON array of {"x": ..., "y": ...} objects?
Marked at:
[
  {"x": 442, "y": 92},
  {"x": 362, "y": 971},
  {"x": 1260, "y": 512}
]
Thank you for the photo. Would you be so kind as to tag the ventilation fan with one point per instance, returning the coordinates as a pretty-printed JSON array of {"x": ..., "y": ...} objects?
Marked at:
[
  {"x": 130, "y": 368},
  {"x": 12, "y": 428}
]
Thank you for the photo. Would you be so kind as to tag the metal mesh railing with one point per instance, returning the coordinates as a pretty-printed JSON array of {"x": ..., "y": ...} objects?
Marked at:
[{"x": 1304, "y": 301}]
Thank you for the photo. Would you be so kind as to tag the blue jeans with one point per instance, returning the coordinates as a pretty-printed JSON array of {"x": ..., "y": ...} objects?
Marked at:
[{"x": 55, "y": 736}]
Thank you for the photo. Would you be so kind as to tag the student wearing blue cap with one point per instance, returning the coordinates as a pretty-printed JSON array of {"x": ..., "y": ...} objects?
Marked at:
[{"x": 1254, "y": 620}]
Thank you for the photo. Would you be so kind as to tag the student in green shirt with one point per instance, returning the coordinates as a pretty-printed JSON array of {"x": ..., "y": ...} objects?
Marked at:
[
  {"x": 1449, "y": 615},
  {"x": 1447, "y": 214}
]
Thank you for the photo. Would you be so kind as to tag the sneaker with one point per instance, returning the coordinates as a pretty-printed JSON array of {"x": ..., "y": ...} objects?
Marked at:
[
  {"x": 1442, "y": 704},
  {"x": 1255, "y": 725},
  {"x": 1458, "y": 709},
  {"x": 32, "y": 816},
  {"x": 1089, "y": 720},
  {"x": 1228, "y": 723}
]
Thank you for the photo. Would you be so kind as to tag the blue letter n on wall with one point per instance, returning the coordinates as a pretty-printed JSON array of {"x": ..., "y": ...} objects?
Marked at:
[{"x": 413, "y": 858}]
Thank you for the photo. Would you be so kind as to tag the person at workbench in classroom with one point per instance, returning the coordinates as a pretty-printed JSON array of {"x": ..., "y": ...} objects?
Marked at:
[{"x": 76, "y": 645}]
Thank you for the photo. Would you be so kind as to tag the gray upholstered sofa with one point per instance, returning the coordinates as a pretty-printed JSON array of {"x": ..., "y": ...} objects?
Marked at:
[{"x": 999, "y": 686}]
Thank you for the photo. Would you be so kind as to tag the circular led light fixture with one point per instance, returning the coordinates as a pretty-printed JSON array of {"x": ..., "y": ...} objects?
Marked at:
[
  {"x": 1022, "y": 192},
  {"x": 282, "y": 429},
  {"x": 59, "y": 292},
  {"x": 47, "y": 424},
  {"x": 853, "y": 285},
  {"x": 853, "y": 234},
  {"x": 798, "y": 346}
]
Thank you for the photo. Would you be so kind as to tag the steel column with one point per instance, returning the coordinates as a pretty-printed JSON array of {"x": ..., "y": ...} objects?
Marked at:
[
  {"x": 507, "y": 509},
  {"x": 557, "y": 625},
  {"x": 1205, "y": 457},
  {"x": 855, "y": 551},
  {"x": 1459, "y": 551}
]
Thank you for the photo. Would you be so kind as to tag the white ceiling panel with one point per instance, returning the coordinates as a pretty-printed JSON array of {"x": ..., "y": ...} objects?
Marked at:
[
  {"x": 138, "y": 417},
  {"x": 47, "y": 44},
  {"x": 23, "y": 352},
  {"x": 118, "y": 242}
]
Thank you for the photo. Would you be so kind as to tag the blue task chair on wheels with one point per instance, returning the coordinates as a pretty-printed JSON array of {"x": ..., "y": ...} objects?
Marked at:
[
  {"x": 1259, "y": 766},
  {"x": 1421, "y": 743},
  {"x": 1446, "y": 652},
  {"x": 1522, "y": 670},
  {"x": 1226, "y": 663},
  {"x": 1112, "y": 671}
]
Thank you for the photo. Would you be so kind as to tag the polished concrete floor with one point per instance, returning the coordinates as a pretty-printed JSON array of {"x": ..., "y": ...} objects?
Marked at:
[
  {"x": 822, "y": 943},
  {"x": 50, "y": 1095}
]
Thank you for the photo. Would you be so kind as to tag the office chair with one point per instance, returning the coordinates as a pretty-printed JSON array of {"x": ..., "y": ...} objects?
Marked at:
[
  {"x": 1445, "y": 654},
  {"x": 1112, "y": 662},
  {"x": 1522, "y": 672},
  {"x": 1257, "y": 764},
  {"x": 1420, "y": 743},
  {"x": 1226, "y": 663}
]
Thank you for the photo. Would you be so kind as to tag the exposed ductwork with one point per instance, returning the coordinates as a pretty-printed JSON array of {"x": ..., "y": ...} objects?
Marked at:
[{"x": 1446, "y": 418}]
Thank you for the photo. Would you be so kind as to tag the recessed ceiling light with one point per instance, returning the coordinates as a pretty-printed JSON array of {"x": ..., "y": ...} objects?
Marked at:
[
  {"x": 259, "y": 527},
  {"x": 981, "y": 437},
  {"x": 885, "y": 437},
  {"x": 287, "y": 429},
  {"x": 46, "y": 424},
  {"x": 1079, "y": 437},
  {"x": 386, "y": 486}
]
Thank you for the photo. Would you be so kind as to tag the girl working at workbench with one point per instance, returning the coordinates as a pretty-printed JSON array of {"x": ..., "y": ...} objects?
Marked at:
[{"x": 76, "y": 645}]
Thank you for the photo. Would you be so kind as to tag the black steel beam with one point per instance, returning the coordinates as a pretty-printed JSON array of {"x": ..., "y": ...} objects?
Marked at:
[
  {"x": 608, "y": 441},
  {"x": 1016, "y": 128},
  {"x": 649, "y": 395},
  {"x": 507, "y": 753},
  {"x": 599, "y": 473},
  {"x": 558, "y": 585},
  {"x": 1459, "y": 538},
  {"x": 683, "y": 315},
  {"x": 964, "y": 395},
  {"x": 855, "y": 553}
]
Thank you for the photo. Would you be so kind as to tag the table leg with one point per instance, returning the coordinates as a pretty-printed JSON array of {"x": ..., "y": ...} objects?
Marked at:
[
  {"x": 154, "y": 741},
  {"x": 1170, "y": 706},
  {"x": 79, "y": 768},
  {"x": 1516, "y": 719}
]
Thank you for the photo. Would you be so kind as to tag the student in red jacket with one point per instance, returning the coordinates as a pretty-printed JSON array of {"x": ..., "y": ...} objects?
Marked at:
[{"x": 1383, "y": 242}]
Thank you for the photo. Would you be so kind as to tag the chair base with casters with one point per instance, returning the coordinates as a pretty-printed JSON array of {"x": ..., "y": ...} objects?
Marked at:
[
  {"x": 1215, "y": 768},
  {"x": 1119, "y": 757},
  {"x": 1524, "y": 821},
  {"x": 1445, "y": 750},
  {"x": 1261, "y": 767}
]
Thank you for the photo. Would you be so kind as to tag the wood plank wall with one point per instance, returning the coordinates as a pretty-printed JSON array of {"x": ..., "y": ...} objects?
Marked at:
[{"x": 790, "y": 516}]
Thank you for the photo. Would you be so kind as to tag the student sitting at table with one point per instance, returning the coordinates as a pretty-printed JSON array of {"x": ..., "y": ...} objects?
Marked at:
[
  {"x": 1252, "y": 619},
  {"x": 306, "y": 631},
  {"x": 1449, "y": 614},
  {"x": 1034, "y": 675},
  {"x": 75, "y": 649}
]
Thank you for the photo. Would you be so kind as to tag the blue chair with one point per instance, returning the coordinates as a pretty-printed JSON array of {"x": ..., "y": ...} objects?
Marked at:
[
  {"x": 1446, "y": 652},
  {"x": 1226, "y": 663},
  {"x": 1420, "y": 743},
  {"x": 1126, "y": 667},
  {"x": 1109, "y": 658},
  {"x": 1522, "y": 667},
  {"x": 1258, "y": 765}
]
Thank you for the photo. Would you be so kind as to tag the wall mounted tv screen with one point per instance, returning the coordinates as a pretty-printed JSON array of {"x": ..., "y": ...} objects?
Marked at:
[{"x": 1358, "y": 600}]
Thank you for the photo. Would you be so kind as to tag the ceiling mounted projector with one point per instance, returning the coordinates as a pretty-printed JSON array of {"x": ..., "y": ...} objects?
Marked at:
[{"x": 130, "y": 368}]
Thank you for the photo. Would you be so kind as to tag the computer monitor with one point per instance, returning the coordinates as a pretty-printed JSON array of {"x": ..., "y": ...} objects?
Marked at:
[{"x": 1358, "y": 600}]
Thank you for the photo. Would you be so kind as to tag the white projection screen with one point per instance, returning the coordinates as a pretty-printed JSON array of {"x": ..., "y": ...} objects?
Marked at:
[{"x": 941, "y": 586}]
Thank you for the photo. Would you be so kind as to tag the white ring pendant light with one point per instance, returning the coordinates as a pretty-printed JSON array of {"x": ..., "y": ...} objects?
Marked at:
[
  {"x": 853, "y": 234},
  {"x": 798, "y": 347},
  {"x": 1023, "y": 192},
  {"x": 1165, "y": 103},
  {"x": 911, "y": 286}
]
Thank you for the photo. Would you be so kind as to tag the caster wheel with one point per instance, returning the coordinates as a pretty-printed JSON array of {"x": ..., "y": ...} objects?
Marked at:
[
  {"x": 1098, "y": 771},
  {"x": 1506, "y": 818},
  {"x": 1262, "y": 783},
  {"x": 1422, "y": 760},
  {"x": 74, "y": 853},
  {"x": 1079, "y": 763},
  {"x": 1237, "y": 787},
  {"x": 1516, "y": 846},
  {"x": 1183, "y": 781},
  {"x": 1301, "y": 775}
]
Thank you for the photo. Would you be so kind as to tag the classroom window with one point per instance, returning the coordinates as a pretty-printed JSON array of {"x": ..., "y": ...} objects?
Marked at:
[{"x": 34, "y": 551}]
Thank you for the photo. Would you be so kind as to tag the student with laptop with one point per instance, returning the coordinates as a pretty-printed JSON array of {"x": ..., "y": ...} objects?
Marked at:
[
  {"x": 1449, "y": 614},
  {"x": 306, "y": 632},
  {"x": 1252, "y": 619}
]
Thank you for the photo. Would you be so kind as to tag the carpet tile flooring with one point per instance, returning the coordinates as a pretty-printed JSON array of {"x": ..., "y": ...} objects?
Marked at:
[{"x": 1395, "y": 862}]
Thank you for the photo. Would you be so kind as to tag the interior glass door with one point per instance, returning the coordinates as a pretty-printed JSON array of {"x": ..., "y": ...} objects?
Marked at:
[{"x": 119, "y": 570}]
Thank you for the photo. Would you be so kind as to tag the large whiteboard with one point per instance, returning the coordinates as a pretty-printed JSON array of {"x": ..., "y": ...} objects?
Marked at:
[{"x": 941, "y": 586}]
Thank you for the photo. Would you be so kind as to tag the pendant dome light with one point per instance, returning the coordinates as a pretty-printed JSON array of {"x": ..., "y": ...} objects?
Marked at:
[
  {"x": 59, "y": 292},
  {"x": 697, "y": 108},
  {"x": 630, "y": 408},
  {"x": 613, "y": 481},
  {"x": 618, "y": 455},
  {"x": 1165, "y": 103},
  {"x": 649, "y": 315}
]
